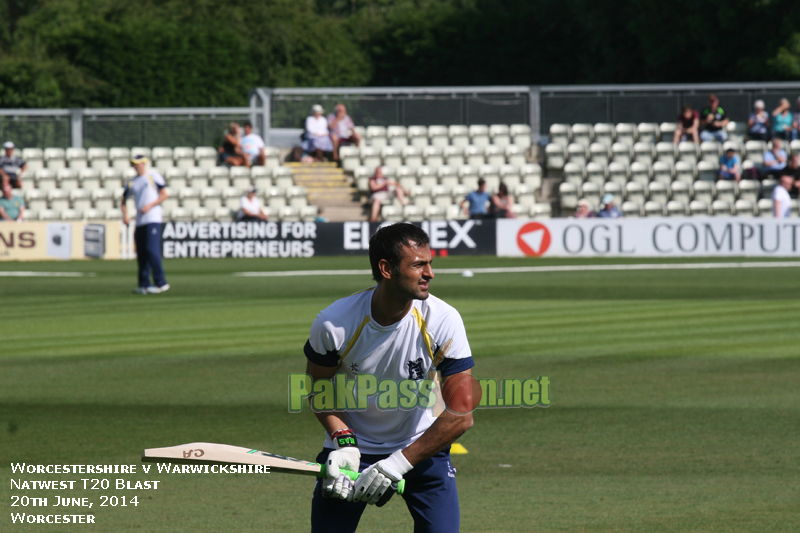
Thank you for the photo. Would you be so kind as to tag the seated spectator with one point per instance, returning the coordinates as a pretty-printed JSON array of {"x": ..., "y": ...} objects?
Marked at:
[
  {"x": 774, "y": 160},
  {"x": 609, "y": 210},
  {"x": 714, "y": 122},
  {"x": 317, "y": 137},
  {"x": 793, "y": 169},
  {"x": 502, "y": 203},
  {"x": 250, "y": 207},
  {"x": 12, "y": 208},
  {"x": 477, "y": 201},
  {"x": 297, "y": 155},
  {"x": 730, "y": 166},
  {"x": 320, "y": 218},
  {"x": 782, "y": 120},
  {"x": 688, "y": 125},
  {"x": 11, "y": 166},
  {"x": 230, "y": 153},
  {"x": 758, "y": 123},
  {"x": 383, "y": 190},
  {"x": 584, "y": 209},
  {"x": 781, "y": 202},
  {"x": 342, "y": 129},
  {"x": 253, "y": 147}
]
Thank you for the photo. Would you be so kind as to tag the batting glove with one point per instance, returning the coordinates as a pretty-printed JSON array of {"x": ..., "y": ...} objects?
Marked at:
[
  {"x": 347, "y": 456},
  {"x": 375, "y": 481}
]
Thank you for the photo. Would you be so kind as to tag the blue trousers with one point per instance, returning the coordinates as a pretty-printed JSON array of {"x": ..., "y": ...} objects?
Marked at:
[
  {"x": 148, "y": 254},
  {"x": 430, "y": 495}
]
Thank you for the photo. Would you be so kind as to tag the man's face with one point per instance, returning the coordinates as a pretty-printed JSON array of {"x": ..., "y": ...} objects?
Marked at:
[
  {"x": 248, "y": 130},
  {"x": 340, "y": 111},
  {"x": 787, "y": 182},
  {"x": 9, "y": 152},
  {"x": 482, "y": 188},
  {"x": 379, "y": 172},
  {"x": 139, "y": 168},
  {"x": 7, "y": 192},
  {"x": 415, "y": 272},
  {"x": 776, "y": 144},
  {"x": 713, "y": 103}
]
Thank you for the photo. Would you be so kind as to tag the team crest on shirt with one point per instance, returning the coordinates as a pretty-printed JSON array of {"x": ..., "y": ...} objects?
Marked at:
[
  {"x": 354, "y": 368},
  {"x": 415, "y": 370}
]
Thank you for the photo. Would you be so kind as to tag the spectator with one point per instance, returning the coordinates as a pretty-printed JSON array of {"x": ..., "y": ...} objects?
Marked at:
[
  {"x": 584, "y": 209},
  {"x": 12, "y": 208},
  {"x": 774, "y": 160},
  {"x": 502, "y": 203},
  {"x": 793, "y": 169},
  {"x": 782, "y": 120},
  {"x": 342, "y": 129},
  {"x": 383, "y": 190},
  {"x": 688, "y": 125},
  {"x": 11, "y": 166},
  {"x": 477, "y": 201},
  {"x": 796, "y": 122},
  {"x": 250, "y": 207},
  {"x": 231, "y": 149},
  {"x": 609, "y": 209},
  {"x": 317, "y": 137},
  {"x": 781, "y": 202},
  {"x": 730, "y": 166},
  {"x": 758, "y": 123},
  {"x": 297, "y": 155},
  {"x": 253, "y": 147},
  {"x": 714, "y": 122},
  {"x": 320, "y": 218}
]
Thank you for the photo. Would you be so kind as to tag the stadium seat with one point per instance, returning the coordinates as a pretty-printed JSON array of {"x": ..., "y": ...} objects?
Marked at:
[
  {"x": 76, "y": 158},
  {"x": 604, "y": 134},
  {"x": 625, "y": 133},
  {"x": 685, "y": 171},
  {"x": 737, "y": 131},
  {"x": 500, "y": 135},
  {"x": 600, "y": 153},
  {"x": 473, "y": 156},
  {"x": 102, "y": 199},
  {"x": 615, "y": 189},
  {"x": 676, "y": 208},
  {"x": 162, "y": 158},
  {"x": 376, "y": 136},
  {"x": 420, "y": 195},
  {"x": 205, "y": 156},
  {"x": 540, "y": 211},
  {"x": 577, "y": 153},
  {"x": 704, "y": 191},
  {"x": 667, "y": 130},
  {"x": 413, "y": 213},
  {"x": 349, "y": 157},
  {"x": 196, "y": 178},
  {"x": 621, "y": 153},
  {"x": 231, "y": 198},
  {"x": 370, "y": 158},
  {"x": 454, "y": 156},
  {"x": 531, "y": 175},
  {"x": 392, "y": 213},
  {"x": 495, "y": 155},
  {"x": 309, "y": 212},
  {"x": 767, "y": 186},
  {"x": 289, "y": 214},
  {"x": 47, "y": 215},
  {"x": 653, "y": 209},
  {"x": 211, "y": 198},
  {"x": 765, "y": 208},
  {"x": 748, "y": 190},
  {"x": 141, "y": 150},
  {"x": 417, "y": 136},
  {"x": 738, "y": 148},
  {"x": 681, "y": 191},
  {"x": 666, "y": 152},
  {"x": 658, "y": 192},
  {"x": 284, "y": 177},
  {"x": 754, "y": 151},
  {"x": 80, "y": 199},
  {"x": 479, "y": 135},
  {"x": 721, "y": 208},
  {"x": 688, "y": 151},
  {"x": 93, "y": 215},
  {"x": 520, "y": 135},
  {"x": 240, "y": 178},
  {"x": 297, "y": 196},
  {"x": 276, "y": 198},
  {"x": 427, "y": 177},
  {"x": 189, "y": 198},
  {"x": 397, "y": 136},
  {"x": 574, "y": 174},
  {"x": 711, "y": 152},
  {"x": 114, "y": 214},
  {"x": 582, "y": 134},
  {"x": 120, "y": 158},
  {"x": 70, "y": 215},
  {"x": 447, "y": 176},
  {"x": 183, "y": 156},
  {"x": 438, "y": 136},
  {"x": 635, "y": 192},
  {"x": 525, "y": 195},
  {"x": 55, "y": 158},
  {"x": 57, "y": 199},
  {"x": 592, "y": 193},
  {"x": 34, "y": 158},
  {"x": 640, "y": 173},
  {"x": 89, "y": 178},
  {"x": 219, "y": 177},
  {"x": 391, "y": 156},
  {"x": 412, "y": 156},
  {"x": 274, "y": 156},
  {"x": 509, "y": 174},
  {"x": 555, "y": 155},
  {"x": 644, "y": 153},
  {"x": 649, "y": 133},
  {"x": 180, "y": 214},
  {"x": 568, "y": 195},
  {"x": 745, "y": 208},
  {"x": 112, "y": 179},
  {"x": 521, "y": 211},
  {"x": 223, "y": 214},
  {"x": 67, "y": 179},
  {"x": 794, "y": 146},
  {"x": 596, "y": 173},
  {"x": 440, "y": 196},
  {"x": 459, "y": 192},
  {"x": 458, "y": 134},
  {"x": 726, "y": 190},
  {"x": 631, "y": 209},
  {"x": 707, "y": 171},
  {"x": 433, "y": 156},
  {"x": 176, "y": 178},
  {"x": 618, "y": 173},
  {"x": 406, "y": 176},
  {"x": 35, "y": 199},
  {"x": 560, "y": 134}
]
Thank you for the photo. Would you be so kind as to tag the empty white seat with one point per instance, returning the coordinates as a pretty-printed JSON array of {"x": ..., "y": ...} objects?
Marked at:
[
  {"x": 183, "y": 156},
  {"x": 531, "y": 174},
  {"x": 35, "y": 199},
  {"x": 596, "y": 173},
  {"x": 447, "y": 176},
  {"x": 427, "y": 176},
  {"x": 218, "y": 177},
  {"x": 376, "y": 136},
  {"x": 495, "y": 155},
  {"x": 459, "y": 135},
  {"x": 55, "y": 158},
  {"x": 412, "y": 156},
  {"x": 176, "y": 178},
  {"x": 520, "y": 135},
  {"x": 440, "y": 195},
  {"x": 666, "y": 152},
  {"x": 80, "y": 199},
  {"x": 704, "y": 191},
  {"x": 189, "y": 198},
  {"x": 676, "y": 208},
  {"x": 433, "y": 156},
  {"x": 767, "y": 186},
  {"x": 685, "y": 171},
  {"x": 89, "y": 178},
  {"x": 391, "y": 213},
  {"x": 640, "y": 173},
  {"x": 748, "y": 190},
  {"x": 454, "y": 156},
  {"x": 420, "y": 195},
  {"x": 600, "y": 153},
  {"x": 644, "y": 153},
  {"x": 102, "y": 199},
  {"x": 71, "y": 214},
  {"x": 93, "y": 214},
  {"x": 711, "y": 152},
  {"x": 707, "y": 171},
  {"x": 76, "y": 158},
  {"x": 397, "y": 136},
  {"x": 211, "y": 198},
  {"x": 309, "y": 213},
  {"x": 648, "y": 132},
  {"x": 500, "y": 134},
  {"x": 721, "y": 208},
  {"x": 574, "y": 174},
  {"x": 180, "y": 214},
  {"x": 745, "y": 208},
  {"x": 120, "y": 158},
  {"x": 479, "y": 135},
  {"x": 111, "y": 178},
  {"x": 162, "y": 158},
  {"x": 618, "y": 173},
  {"x": 654, "y": 209},
  {"x": 658, "y": 192},
  {"x": 765, "y": 208},
  {"x": 197, "y": 178},
  {"x": 754, "y": 151},
  {"x": 568, "y": 195},
  {"x": 560, "y": 134},
  {"x": 582, "y": 134},
  {"x": 631, "y": 209},
  {"x": 621, "y": 153},
  {"x": 438, "y": 136},
  {"x": 688, "y": 151},
  {"x": 604, "y": 133},
  {"x": 625, "y": 133},
  {"x": 413, "y": 213},
  {"x": 391, "y": 156},
  {"x": 370, "y": 157},
  {"x": 297, "y": 196},
  {"x": 540, "y": 211},
  {"x": 663, "y": 172},
  {"x": 525, "y": 194},
  {"x": 591, "y": 192},
  {"x": 47, "y": 214},
  {"x": 205, "y": 156},
  {"x": 418, "y": 136},
  {"x": 555, "y": 155},
  {"x": 67, "y": 179},
  {"x": 349, "y": 156},
  {"x": 473, "y": 156},
  {"x": 635, "y": 192},
  {"x": 681, "y": 192},
  {"x": 57, "y": 199},
  {"x": 577, "y": 153},
  {"x": 667, "y": 130},
  {"x": 726, "y": 190},
  {"x": 34, "y": 158}
]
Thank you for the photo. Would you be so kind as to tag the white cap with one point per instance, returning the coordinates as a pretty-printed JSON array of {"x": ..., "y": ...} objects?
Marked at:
[
  {"x": 759, "y": 104},
  {"x": 316, "y": 108},
  {"x": 9, "y": 145}
]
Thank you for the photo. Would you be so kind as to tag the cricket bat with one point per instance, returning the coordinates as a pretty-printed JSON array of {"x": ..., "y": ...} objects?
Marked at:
[{"x": 207, "y": 453}]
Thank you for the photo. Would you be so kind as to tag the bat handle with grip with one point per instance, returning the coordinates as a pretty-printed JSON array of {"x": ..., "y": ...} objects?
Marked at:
[{"x": 354, "y": 476}]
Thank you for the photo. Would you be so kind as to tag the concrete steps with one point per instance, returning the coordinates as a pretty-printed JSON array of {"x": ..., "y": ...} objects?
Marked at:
[{"x": 328, "y": 187}]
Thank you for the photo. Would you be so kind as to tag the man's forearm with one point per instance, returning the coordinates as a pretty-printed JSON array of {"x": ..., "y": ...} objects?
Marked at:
[
  {"x": 331, "y": 421},
  {"x": 444, "y": 432}
]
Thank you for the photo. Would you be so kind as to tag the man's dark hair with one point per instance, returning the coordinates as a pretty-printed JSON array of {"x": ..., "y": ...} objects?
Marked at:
[
  {"x": 248, "y": 124},
  {"x": 481, "y": 182},
  {"x": 388, "y": 242}
]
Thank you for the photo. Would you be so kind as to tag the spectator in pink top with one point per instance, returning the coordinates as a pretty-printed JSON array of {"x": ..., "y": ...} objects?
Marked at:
[
  {"x": 383, "y": 190},
  {"x": 688, "y": 124},
  {"x": 342, "y": 129}
]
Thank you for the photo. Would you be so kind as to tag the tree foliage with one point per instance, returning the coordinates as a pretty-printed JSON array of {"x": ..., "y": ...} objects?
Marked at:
[{"x": 76, "y": 53}]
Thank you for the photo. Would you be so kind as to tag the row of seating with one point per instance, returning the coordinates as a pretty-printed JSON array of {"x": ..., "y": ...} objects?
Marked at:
[
  {"x": 640, "y": 173},
  {"x": 209, "y": 197},
  {"x": 431, "y": 156},
  {"x": 676, "y": 208},
  {"x": 705, "y": 191},
  {"x": 415, "y": 213},
  {"x": 162, "y": 157},
  {"x": 626, "y": 133},
  {"x": 197, "y": 177},
  {"x": 175, "y": 214},
  {"x": 441, "y": 136},
  {"x": 444, "y": 196},
  {"x": 530, "y": 175}
]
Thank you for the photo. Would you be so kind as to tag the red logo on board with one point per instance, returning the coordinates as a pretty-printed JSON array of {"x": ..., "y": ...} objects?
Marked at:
[{"x": 533, "y": 239}]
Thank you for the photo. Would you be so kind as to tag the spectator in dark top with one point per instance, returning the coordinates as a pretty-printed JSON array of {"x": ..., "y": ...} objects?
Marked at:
[
  {"x": 729, "y": 166},
  {"x": 714, "y": 121},
  {"x": 782, "y": 120},
  {"x": 477, "y": 201},
  {"x": 609, "y": 209},
  {"x": 793, "y": 169},
  {"x": 12, "y": 208},
  {"x": 342, "y": 129},
  {"x": 231, "y": 150},
  {"x": 502, "y": 203},
  {"x": 383, "y": 190},
  {"x": 584, "y": 209},
  {"x": 774, "y": 160},
  {"x": 688, "y": 125},
  {"x": 758, "y": 123},
  {"x": 11, "y": 166}
]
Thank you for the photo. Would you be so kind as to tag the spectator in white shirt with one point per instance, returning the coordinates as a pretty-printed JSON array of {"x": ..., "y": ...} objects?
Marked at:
[
  {"x": 342, "y": 129},
  {"x": 253, "y": 147},
  {"x": 781, "y": 202},
  {"x": 317, "y": 136},
  {"x": 250, "y": 207}
]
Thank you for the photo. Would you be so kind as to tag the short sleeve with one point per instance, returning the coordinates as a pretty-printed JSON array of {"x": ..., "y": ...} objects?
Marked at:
[
  {"x": 126, "y": 192},
  {"x": 451, "y": 340},
  {"x": 158, "y": 180},
  {"x": 324, "y": 342}
]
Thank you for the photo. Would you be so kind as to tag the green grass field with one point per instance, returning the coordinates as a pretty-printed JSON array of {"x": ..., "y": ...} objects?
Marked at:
[{"x": 675, "y": 393}]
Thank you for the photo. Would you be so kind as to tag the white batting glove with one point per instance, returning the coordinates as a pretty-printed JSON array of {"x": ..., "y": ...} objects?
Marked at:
[
  {"x": 347, "y": 456},
  {"x": 376, "y": 480}
]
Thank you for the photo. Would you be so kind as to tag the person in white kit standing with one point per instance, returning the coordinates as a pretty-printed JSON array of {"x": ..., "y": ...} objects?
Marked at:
[
  {"x": 394, "y": 331},
  {"x": 148, "y": 191},
  {"x": 781, "y": 201}
]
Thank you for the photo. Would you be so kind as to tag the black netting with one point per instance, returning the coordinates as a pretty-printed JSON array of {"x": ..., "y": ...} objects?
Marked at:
[{"x": 36, "y": 131}]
